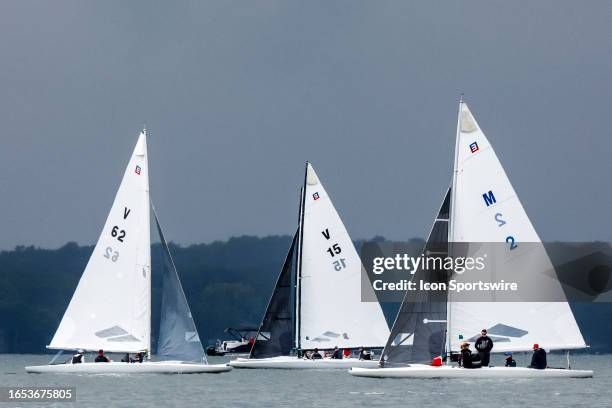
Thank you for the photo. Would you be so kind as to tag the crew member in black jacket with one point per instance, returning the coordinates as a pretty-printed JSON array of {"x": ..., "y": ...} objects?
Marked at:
[
  {"x": 316, "y": 355},
  {"x": 483, "y": 345},
  {"x": 467, "y": 360},
  {"x": 101, "y": 358},
  {"x": 538, "y": 359}
]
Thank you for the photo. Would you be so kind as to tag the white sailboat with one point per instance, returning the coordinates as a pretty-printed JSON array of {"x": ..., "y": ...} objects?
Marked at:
[
  {"x": 325, "y": 284},
  {"x": 111, "y": 306},
  {"x": 434, "y": 324}
]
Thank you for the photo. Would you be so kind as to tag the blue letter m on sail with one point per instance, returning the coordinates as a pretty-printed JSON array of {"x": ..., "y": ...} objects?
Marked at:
[{"x": 489, "y": 198}]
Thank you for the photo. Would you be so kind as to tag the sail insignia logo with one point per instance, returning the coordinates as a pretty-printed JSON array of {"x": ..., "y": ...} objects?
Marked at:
[
  {"x": 191, "y": 337},
  {"x": 474, "y": 147},
  {"x": 502, "y": 333},
  {"x": 138, "y": 170},
  {"x": 115, "y": 334},
  {"x": 316, "y": 196}
]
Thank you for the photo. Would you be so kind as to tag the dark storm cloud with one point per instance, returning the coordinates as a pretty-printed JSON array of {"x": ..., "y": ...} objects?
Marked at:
[{"x": 237, "y": 95}]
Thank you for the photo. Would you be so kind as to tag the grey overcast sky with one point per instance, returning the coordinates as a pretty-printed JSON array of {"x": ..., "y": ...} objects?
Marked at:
[{"x": 238, "y": 94}]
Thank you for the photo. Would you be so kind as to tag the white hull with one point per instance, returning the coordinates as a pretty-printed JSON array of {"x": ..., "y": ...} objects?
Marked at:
[
  {"x": 160, "y": 367},
  {"x": 426, "y": 371},
  {"x": 288, "y": 363}
]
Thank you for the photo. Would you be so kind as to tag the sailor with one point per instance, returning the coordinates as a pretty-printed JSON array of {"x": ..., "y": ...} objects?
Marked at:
[
  {"x": 467, "y": 360},
  {"x": 316, "y": 355},
  {"x": 101, "y": 358},
  {"x": 138, "y": 358},
  {"x": 336, "y": 355},
  {"x": 483, "y": 345},
  {"x": 78, "y": 357},
  {"x": 510, "y": 362},
  {"x": 364, "y": 354},
  {"x": 347, "y": 353},
  {"x": 307, "y": 355},
  {"x": 538, "y": 359}
]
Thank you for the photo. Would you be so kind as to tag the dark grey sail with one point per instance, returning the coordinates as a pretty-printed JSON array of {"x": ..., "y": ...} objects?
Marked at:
[
  {"x": 275, "y": 335},
  {"x": 419, "y": 331},
  {"x": 178, "y": 337}
]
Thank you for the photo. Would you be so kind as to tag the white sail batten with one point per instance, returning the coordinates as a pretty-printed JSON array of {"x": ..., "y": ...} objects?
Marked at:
[
  {"x": 111, "y": 306},
  {"x": 331, "y": 311},
  {"x": 486, "y": 209}
]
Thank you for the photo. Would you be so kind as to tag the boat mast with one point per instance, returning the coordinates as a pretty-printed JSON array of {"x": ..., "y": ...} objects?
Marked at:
[
  {"x": 451, "y": 223},
  {"x": 148, "y": 234},
  {"x": 298, "y": 270}
]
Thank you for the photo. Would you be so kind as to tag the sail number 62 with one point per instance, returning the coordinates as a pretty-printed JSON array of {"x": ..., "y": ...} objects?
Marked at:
[
  {"x": 110, "y": 254},
  {"x": 116, "y": 232}
]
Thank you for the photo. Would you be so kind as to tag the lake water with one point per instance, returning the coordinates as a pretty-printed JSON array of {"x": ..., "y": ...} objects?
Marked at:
[{"x": 317, "y": 388}]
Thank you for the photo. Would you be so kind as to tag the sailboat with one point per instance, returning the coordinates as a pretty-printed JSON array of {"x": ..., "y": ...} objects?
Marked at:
[
  {"x": 481, "y": 206},
  {"x": 111, "y": 306},
  {"x": 322, "y": 273}
]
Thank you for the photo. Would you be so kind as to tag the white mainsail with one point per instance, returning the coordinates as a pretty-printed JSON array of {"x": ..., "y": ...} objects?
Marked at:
[
  {"x": 486, "y": 209},
  {"x": 111, "y": 306},
  {"x": 331, "y": 312}
]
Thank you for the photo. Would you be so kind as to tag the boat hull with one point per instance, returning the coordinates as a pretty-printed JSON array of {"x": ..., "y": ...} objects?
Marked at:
[
  {"x": 158, "y": 367},
  {"x": 426, "y": 371},
  {"x": 295, "y": 363}
]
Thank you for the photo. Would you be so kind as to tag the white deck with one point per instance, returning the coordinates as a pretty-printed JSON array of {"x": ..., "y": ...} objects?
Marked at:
[
  {"x": 160, "y": 367},
  {"x": 289, "y": 362},
  {"x": 426, "y": 371}
]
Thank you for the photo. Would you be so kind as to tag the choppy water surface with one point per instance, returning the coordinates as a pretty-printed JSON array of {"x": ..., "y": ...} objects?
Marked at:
[{"x": 317, "y": 388}]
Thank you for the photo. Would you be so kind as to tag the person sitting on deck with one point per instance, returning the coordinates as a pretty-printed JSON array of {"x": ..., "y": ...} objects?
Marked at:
[
  {"x": 538, "y": 359},
  {"x": 306, "y": 355},
  {"x": 78, "y": 357},
  {"x": 364, "y": 354},
  {"x": 467, "y": 360},
  {"x": 510, "y": 362},
  {"x": 316, "y": 355},
  {"x": 138, "y": 358},
  {"x": 101, "y": 358},
  {"x": 347, "y": 353},
  {"x": 336, "y": 355}
]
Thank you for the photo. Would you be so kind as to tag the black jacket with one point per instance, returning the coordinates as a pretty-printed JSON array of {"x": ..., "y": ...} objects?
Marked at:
[
  {"x": 510, "y": 362},
  {"x": 538, "y": 360},
  {"x": 315, "y": 356},
  {"x": 484, "y": 344},
  {"x": 467, "y": 359},
  {"x": 365, "y": 355},
  {"x": 101, "y": 359},
  {"x": 337, "y": 355}
]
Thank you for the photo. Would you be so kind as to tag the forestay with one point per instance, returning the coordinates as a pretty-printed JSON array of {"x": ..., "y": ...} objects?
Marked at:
[
  {"x": 178, "y": 337},
  {"x": 331, "y": 310},
  {"x": 110, "y": 308},
  {"x": 486, "y": 209}
]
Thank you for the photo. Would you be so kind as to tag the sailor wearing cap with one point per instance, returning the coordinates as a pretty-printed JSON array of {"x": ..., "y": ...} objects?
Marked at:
[{"x": 510, "y": 362}]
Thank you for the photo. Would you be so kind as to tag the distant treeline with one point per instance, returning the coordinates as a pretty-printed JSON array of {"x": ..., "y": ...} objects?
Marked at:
[{"x": 226, "y": 283}]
